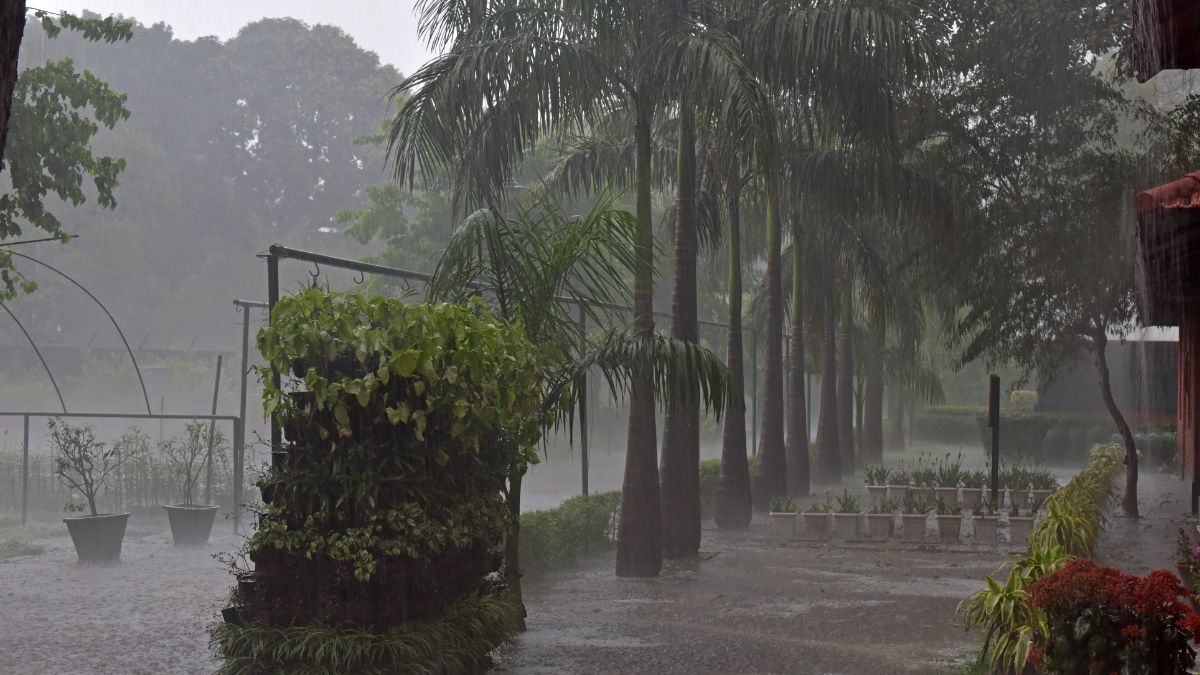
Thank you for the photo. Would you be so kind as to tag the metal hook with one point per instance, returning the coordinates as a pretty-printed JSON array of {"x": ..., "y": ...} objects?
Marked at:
[{"x": 360, "y": 278}]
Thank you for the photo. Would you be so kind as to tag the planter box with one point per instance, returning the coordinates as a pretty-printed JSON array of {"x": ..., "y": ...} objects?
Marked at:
[
  {"x": 817, "y": 525},
  {"x": 913, "y": 526},
  {"x": 949, "y": 528},
  {"x": 97, "y": 538},
  {"x": 946, "y": 495},
  {"x": 1038, "y": 496},
  {"x": 985, "y": 530},
  {"x": 971, "y": 498},
  {"x": 876, "y": 494},
  {"x": 191, "y": 523},
  {"x": 880, "y": 526},
  {"x": 925, "y": 494},
  {"x": 897, "y": 492},
  {"x": 1019, "y": 496},
  {"x": 845, "y": 526},
  {"x": 1018, "y": 529},
  {"x": 783, "y": 527}
]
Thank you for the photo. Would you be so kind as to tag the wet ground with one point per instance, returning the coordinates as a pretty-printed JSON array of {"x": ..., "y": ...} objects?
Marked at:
[{"x": 745, "y": 605}]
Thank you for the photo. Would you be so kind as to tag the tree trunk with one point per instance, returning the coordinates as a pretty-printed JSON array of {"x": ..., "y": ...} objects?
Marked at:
[
  {"x": 858, "y": 416},
  {"x": 512, "y": 546},
  {"x": 1100, "y": 346},
  {"x": 639, "y": 534},
  {"x": 895, "y": 441},
  {"x": 872, "y": 425},
  {"x": 679, "y": 473},
  {"x": 12, "y": 29},
  {"x": 771, "y": 476},
  {"x": 829, "y": 463},
  {"x": 799, "y": 473},
  {"x": 734, "y": 507},
  {"x": 845, "y": 383}
]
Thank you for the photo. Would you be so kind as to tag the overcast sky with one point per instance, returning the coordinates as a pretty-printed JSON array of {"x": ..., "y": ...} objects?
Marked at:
[{"x": 386, "y": 27}]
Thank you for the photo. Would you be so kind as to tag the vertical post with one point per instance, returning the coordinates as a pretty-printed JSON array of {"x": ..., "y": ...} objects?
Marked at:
[
  {"x": 583, "y": 408},
  {"x": 272, "y": 298},
  {"x": 754, "y": 394},
  {"x": 212, "y": 430},
  {"x": 25, "y": 470},
  {"x": 239, "y": 426},
  {"x": 994, "y": 423}
]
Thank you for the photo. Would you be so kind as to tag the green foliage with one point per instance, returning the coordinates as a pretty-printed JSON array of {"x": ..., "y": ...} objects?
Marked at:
[
  {"x": 413, "y": 419},
  {"x": 186, "y": 457},
  {"x": 944, "y": 509},
  {"x": 1022, "y": 401},
  {"x": 886, "y": 505},
  {"x": 56, "y": 110},
  {"x": 710, "y": 479},
  {"x": 458, "y": 641},
  {"x": 81, "y": 462},
  {"x": 847, "y": 503},
  {"x": 946, "y": 424},
  {"x": 783, "y": 505},
  {"x": 554, "y": 538},
  {"x": 1071, "y": 526},
  {"x": 877, "y": 475}
]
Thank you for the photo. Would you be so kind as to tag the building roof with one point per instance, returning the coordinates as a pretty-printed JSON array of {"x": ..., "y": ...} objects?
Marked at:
[
  {"x": 1169, "y": 237},
  {"x": 1166, "y": 36},
  {"x": 1181, "y": 194}
]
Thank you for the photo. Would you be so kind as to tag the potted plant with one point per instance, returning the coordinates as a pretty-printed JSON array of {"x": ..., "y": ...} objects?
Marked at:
[
  {"x": 85, "y": 466},
  {"x": 949, "y": 522},
  {"x": 191, "y": 523},
  {"x": 1042, "y": 485},
  {"x": 783, "y": 519},
  {"x": 913, "y": 520},
  {"x": 845, "y": 519},
  {"x": 882, "y": 519},
  {"x": 1018, "y": 526},
  {"x": 817, "y": 520},
  {"x": 897, "y": 489},
  {"x": 984, "y": 521},
  {"x": 947, "y": 476},
  {"x": 877, "y": 483},
  {"x": 973, "y": 484}
]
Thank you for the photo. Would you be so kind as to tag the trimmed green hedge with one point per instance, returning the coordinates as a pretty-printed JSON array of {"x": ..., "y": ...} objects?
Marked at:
[
  {"x": 710, "y": 477},
  {"x": 581, "y": 525}
]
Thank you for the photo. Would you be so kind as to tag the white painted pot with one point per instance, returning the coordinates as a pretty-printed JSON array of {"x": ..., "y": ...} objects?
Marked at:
[
  {"x": 845, "y": 526},
  {"x": 985, "y": 530},
  {"x": 880, "y": 526},
  {"x": 783, "y": 527},
  {"x": 949, "y": 528},
  {"x": 913, "y": 526}
]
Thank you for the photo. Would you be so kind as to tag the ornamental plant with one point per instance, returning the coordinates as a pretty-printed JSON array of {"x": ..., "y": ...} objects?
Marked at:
[
  {"x": 81, "y": 462},
  {"x": 1100, "y": 619},
  {"x": 185, "y": 459}
]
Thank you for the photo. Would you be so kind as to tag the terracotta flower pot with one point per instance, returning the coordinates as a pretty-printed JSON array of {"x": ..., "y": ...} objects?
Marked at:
[
  {"x": 191, "y": 523},
  {"x": 97, "y": 538}
]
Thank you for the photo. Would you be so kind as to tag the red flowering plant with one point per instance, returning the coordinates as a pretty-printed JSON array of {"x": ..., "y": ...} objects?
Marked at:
[{"x": 1101, "y": 620}]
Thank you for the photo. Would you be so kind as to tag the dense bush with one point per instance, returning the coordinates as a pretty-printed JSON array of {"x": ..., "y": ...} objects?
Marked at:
[
  {"x": 946, "y": 424},
  {"x": 581, "y": 525},
  {"x": 710, "y": 478},
  {"x": 385, "y": 507},
  {"x": 1101, "y": 620}
]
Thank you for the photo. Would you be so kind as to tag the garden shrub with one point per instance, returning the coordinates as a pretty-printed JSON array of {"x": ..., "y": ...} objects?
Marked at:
[
  {"x": 938, "y": 425},
  {"x": 385, "y": 506},
  {"x": 710, "y": 479},
  {"x": 581, "y": 525},
  {"x": 1099, "y": 619}
]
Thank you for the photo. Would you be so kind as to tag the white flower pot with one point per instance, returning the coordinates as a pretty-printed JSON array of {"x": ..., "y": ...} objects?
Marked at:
[
  {"x": 971, "y": 498},
  {"x": 949, "y": 528},
  {"x": 898, "y": 493},
  {"x": 985, "y": 530},
  {"x": 913, "y": 526},
  {"x": 845, "y": 526},
  {"x": 876, "y": 494},
  {"x": 783, "y": 527},
  {"x": 947, "y": 495},
  {"x": 925, "y": 494},
  {"x": 880, "y": 525},
  {"x": 817, "y": 526},
  {"x": 1019, "y": 496},
  {"x": 1018, "y": 529}
]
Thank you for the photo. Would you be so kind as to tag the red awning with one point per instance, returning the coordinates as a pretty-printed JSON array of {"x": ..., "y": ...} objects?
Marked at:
[
  {"x": 1181, "y": 194},
  {"x": 1166, "y": 36},
  {"x": 1169, "y": 236}
]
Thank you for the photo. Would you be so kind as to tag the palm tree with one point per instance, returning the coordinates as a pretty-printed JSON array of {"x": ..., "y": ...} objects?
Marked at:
[
  {"x": 845, "y": 377},
  {"x": 538, "y": 269}
]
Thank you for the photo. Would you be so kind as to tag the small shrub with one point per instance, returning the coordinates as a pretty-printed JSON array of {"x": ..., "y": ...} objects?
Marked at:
[
  {"x": 877, "y": 475},
  {"x": 1022, "y": 401},
  {"x": 81, "y": 462},
  {"x": 847, "y": 503},
  {"x": 555, "y": 538}
]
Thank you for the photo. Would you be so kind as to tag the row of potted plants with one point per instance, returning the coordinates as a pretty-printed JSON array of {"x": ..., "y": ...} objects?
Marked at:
[
  {"x": 85, "y": 466},
  {"x": 944, "y": 479},
  {"x": 822, "y": 521}
]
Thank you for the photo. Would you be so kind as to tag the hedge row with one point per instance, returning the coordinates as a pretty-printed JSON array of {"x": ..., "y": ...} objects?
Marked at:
[{"x": 581, "y": 525}]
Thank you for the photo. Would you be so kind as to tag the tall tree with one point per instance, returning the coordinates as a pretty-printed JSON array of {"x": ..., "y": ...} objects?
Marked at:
[{"x": 845, "y": 378}]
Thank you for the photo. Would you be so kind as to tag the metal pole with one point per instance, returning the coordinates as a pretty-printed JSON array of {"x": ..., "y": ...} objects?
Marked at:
[
  {"x": 272, "y": 298},
  {"x": 212, "y": 430},
  {"x": 754, "y": 394},
  {"x": 239, "y": 426},
  {"x": 25, "y": 471},
  {"x": 583, "y": 409}
]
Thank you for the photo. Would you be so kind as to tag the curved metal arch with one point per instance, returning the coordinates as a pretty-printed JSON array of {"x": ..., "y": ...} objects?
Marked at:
[
  {"x": 39, "y": 355},
  {"x": 107, "y": 313}
]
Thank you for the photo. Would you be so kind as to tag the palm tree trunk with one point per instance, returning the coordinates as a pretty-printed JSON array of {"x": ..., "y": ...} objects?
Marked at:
[
  {"x": 872, "y": 440},
  {"x": 679, "y": 473},
  {"x": 771, "y": 476},
  {"x": 1129, "y": 502},
  {"x": 639, "y": 534},
  {"x": 512, "y": 546},
  {"x": 845, "y": 383},
  {"x": 12, "y": 29},
  {"x": 799, "y": 474},
  {"x": 734, "y": 508},
  {"x": 829, "y": 456},
  {"x": 895, "y": 441}
]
